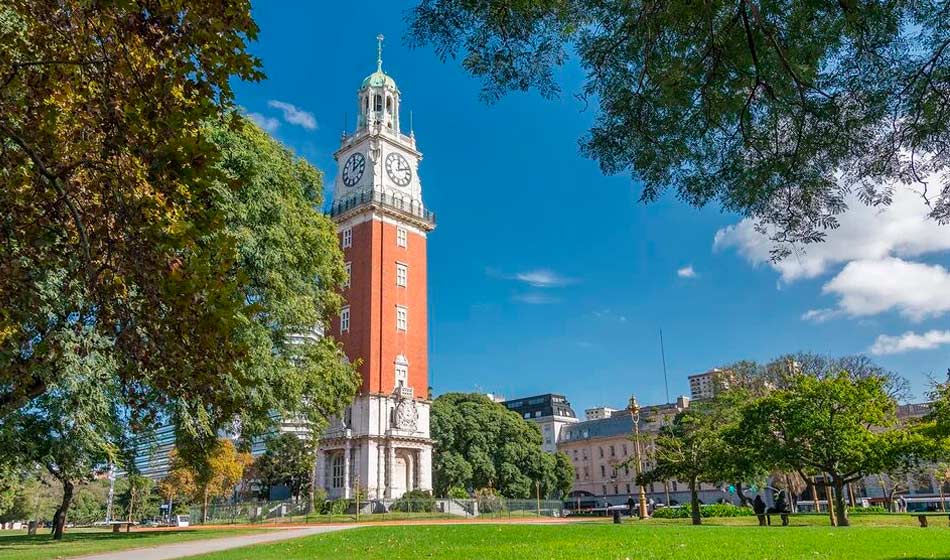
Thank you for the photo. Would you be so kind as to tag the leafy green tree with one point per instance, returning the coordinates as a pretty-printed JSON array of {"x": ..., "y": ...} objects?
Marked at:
[
  {"x": 694, "y": 449},
  {"x": 563, "y": 474},
  {"x": 288, "y": 256},
  {"x": 74, "y": 429},
  {"x": 136, "y": 498},
  {"x": 106, "y": 195},
  {"x": 482, "y": 444},
  {"x": 288, "y": 460},
  {"x": 840, "y": 425},
  {"x": 776, "y": 110},
  {"x": 89, "y": 504}
]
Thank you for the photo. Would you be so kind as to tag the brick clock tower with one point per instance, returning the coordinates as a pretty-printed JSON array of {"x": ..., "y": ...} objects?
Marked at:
[{"x": 382, "y": 443}]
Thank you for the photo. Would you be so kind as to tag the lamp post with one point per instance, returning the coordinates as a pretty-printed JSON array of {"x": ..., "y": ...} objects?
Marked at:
[{"x": 634, "y": 408}]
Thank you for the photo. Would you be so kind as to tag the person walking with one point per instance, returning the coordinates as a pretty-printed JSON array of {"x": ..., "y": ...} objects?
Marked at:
[
  {"x": 758, "y": 506},
  {"x": 631, "y": 505}
]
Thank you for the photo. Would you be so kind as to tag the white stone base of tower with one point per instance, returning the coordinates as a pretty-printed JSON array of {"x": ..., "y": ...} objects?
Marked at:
[{"x": 381, "y": 445}]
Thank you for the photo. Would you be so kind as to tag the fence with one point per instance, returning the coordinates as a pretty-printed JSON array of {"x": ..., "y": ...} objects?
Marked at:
[{"x": 345, "y": 511}]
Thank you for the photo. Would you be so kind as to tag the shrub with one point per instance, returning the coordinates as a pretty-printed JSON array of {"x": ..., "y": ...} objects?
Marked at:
[
  {"x": 415, "y": 500},
  {"x": 488, "y": 501},
  {"x": 458, "y": 493},
  {"x": 869, "y": 509},
  {"x": 710, "y": 510}
]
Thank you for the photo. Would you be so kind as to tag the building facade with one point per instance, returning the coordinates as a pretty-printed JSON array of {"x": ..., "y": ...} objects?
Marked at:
[
  {"x": 382, "y": 443},
  {"x": 707, "y": 385},
  {"x": 550, "y": 412},
  {"x": 604, "y": 457}
]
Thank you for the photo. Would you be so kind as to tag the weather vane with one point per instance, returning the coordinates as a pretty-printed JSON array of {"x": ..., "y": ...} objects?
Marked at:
[{"x": 379, "y": 52}]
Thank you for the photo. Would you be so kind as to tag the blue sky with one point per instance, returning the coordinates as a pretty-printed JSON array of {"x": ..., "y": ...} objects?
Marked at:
[{"x": 547, "y": 276}]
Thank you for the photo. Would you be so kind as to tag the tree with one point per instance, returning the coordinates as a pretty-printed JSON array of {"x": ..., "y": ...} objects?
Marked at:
[
  {"x": 839, "y": 425},
  {"x": 288, "y": 460},
  {"x": 777, "y": 110},
  {"x": 135, "y": 498},
  {"x": 74, "y": 429},
  {"x": 693, "y": 449},
  {"x": 106, "y": 196},
  {"x": 213, "y": 475},
  {"x": 481, "y": 444}
]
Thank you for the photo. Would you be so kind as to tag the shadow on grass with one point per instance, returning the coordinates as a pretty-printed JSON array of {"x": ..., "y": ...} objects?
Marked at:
[{"x": 12, "y": 542}]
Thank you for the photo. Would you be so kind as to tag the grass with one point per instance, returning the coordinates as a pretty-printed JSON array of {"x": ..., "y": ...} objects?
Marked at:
[
  {"x": 598, "y": 540},
  {"x": 77, "y": 542}
]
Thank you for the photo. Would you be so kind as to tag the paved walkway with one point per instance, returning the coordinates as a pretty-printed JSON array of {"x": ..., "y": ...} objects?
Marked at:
[{"x": 181, "y": 550}]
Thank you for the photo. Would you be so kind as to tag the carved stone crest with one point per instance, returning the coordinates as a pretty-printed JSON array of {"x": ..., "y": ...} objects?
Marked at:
[{"x": 405, "y": 416}]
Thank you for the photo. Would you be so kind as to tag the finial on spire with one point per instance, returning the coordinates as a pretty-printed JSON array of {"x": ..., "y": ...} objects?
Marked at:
[{"x": 379, "y": 52}]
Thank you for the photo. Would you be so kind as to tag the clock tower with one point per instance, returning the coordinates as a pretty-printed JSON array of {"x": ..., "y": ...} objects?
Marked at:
[{"x": 382, "y": 443}]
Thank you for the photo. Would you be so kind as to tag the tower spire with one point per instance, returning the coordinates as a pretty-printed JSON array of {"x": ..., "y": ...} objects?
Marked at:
[{"x": 379, "y": 52}]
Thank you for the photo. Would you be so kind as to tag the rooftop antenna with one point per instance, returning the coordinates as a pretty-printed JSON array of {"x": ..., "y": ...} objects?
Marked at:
[
  {"x": 379, "y": 52},
  {"x": 411, "y": 132},
  {"x": 666, "y": 380}
]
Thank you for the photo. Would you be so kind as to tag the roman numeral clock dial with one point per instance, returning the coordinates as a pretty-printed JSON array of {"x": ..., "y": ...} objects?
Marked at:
[
  {"x": 398, "y": 169},
  {"x": 353, "y": 169}
]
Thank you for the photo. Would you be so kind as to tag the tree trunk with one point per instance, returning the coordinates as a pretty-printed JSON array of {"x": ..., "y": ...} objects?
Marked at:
[
  {"x": 841, "y": 505},
  {"x": 792, "y": 495},
  {"x": 740, "y": 493},
  {"x": 59, "y": 518},
  {"x": 814, "y": 494},
  {"x": 694, "y": 503},
  {"x": 204, "y": 507},
  {"x": 887, "y": 495}
]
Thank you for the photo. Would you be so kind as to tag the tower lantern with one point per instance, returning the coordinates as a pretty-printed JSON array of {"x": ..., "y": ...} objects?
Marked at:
[{"x": 382, "y": 442}]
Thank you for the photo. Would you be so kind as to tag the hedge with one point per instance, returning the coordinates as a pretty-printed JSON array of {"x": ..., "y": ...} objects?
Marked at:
[{"x": 710, "y": 510}]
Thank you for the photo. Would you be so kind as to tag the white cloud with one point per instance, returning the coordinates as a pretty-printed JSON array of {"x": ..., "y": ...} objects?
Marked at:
[
  {"x": 869, "y": 287},
  {"x": 269, "y": 124},
  {"x": 294, "y": 115},
  {"x": 865, "y": 233},
  {"x": 534, "y": 298},
  {"x": 609, "y": 315},
  {"x": 542, "y": 278},
  {"x": 820, "y": 315},
  {"x": 909, "y": 341},
  {"x": 686, "y": 272}
]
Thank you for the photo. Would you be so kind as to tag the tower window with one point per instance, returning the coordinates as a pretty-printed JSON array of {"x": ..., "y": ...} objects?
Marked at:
[
  {"x": 402, "y": 318},
  {"x": 345, "y": 319},
  {"x": 389, "y": 104},
  {"x": 347, "y": 238},
  {"x": 402, "y": 274},
  {"x": 402, "y": 375},
  {"x": 377, "y": 103},
  {"x": 366, "y": 103},
  {"x": 401, "y": 237},
  {"x": 349, "y": 274}
]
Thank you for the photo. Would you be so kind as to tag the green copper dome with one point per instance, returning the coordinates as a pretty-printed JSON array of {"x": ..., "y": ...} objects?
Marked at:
[{"x": 378, "y": 79}]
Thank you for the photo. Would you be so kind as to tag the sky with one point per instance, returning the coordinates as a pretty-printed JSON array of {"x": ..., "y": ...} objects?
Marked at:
[{"x": 545, "y": 275}]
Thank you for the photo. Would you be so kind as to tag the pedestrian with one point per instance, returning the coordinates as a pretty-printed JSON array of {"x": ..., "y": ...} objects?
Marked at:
[
  {"x": 630, "y": 505},
  {"x": 758, "y": 506},
  {"x": 651, "y": 506},
  {"x": 781, "y": 507}
]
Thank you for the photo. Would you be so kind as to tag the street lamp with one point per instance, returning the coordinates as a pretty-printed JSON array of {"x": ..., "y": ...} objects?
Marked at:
[{"x": 634, "y": 408}]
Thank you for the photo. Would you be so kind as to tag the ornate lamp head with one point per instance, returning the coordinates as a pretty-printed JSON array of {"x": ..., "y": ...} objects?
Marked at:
[{"x": 633, "y": 406}]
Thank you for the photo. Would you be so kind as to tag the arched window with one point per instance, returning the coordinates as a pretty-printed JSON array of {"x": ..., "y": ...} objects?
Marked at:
[
  {"x": 366, "y": 103},
  {"x": 377, "y": 103},
  {"x": 389, "y": 104},
  {"x": 336, "y": 471}
]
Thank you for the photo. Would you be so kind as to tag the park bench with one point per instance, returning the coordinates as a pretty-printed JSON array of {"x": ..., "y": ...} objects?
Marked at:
[
  {"x": 117, "y": 525},
  {"x": 923, "y": 515}
]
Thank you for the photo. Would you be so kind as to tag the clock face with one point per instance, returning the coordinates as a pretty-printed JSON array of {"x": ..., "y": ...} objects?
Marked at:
[
  {"x": 353, "y": 169},
  {"x": 398, "y": 169}
]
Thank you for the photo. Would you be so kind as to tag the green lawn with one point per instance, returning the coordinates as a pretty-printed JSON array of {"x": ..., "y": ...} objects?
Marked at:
[
  {"x": 605, "y": 541},
  {"x": 17, "y": 545}
]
